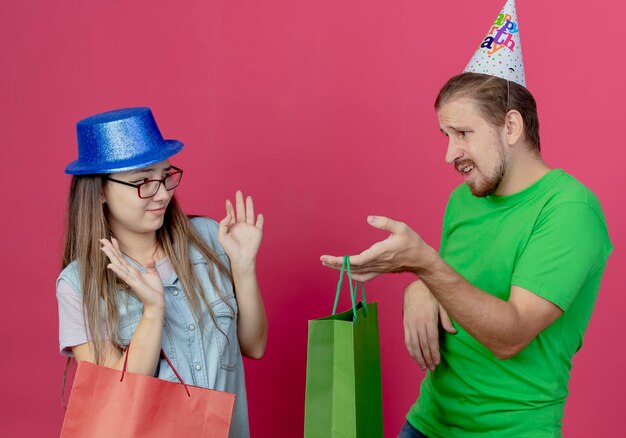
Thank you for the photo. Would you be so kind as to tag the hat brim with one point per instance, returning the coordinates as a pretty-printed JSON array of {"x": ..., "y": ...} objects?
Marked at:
[{"x": 169, "y": 148}]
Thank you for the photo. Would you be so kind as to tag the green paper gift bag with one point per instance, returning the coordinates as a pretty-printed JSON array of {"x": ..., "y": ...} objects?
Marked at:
[{"x": 343, "y": 386}]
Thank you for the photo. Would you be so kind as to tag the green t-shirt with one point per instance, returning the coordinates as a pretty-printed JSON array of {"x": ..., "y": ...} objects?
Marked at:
[{"x": 550, "y": 239}]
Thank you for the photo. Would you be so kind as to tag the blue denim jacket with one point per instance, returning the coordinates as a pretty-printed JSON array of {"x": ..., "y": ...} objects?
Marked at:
[{"x": 210, "y": 358}]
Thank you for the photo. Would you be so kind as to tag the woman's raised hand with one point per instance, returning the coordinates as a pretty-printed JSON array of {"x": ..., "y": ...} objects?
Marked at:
[
  {"x": 240, "y": 234},
  {"x": 146, "y": 285}
]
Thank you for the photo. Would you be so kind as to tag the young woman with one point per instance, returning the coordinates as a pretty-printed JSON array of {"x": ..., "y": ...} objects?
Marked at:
[{"x": 137, "y": 271}]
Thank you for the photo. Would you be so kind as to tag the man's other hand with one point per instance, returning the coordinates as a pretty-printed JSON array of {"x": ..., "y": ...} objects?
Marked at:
[{"x": 421, "y": 317}]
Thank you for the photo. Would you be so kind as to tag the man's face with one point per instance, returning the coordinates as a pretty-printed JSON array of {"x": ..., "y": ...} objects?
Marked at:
[{"x": 475, "y": 147}]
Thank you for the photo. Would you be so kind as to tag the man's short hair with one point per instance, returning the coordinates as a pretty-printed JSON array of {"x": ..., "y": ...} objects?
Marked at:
[{"x": 494, "y": 98}]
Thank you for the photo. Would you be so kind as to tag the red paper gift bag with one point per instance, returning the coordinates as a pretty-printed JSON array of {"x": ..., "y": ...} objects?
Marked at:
[{"x": 105, "y": 402}]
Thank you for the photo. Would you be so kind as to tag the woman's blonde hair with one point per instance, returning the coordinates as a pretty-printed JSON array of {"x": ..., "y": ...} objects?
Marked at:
[{"x": 87, "y": 223}]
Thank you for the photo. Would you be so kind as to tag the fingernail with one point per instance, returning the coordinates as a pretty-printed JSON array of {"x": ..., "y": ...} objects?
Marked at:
[{"x": 371, "y": 219}]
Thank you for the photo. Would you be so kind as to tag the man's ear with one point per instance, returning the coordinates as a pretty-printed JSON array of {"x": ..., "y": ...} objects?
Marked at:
[{"x": 514, "y": 125}]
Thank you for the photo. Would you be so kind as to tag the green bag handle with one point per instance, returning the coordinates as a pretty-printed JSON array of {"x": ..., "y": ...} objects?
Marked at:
[{"x": 345, "y": 266}]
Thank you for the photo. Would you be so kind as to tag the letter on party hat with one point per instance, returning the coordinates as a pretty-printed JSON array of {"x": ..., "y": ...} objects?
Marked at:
[{"x": 500, "y": 53}]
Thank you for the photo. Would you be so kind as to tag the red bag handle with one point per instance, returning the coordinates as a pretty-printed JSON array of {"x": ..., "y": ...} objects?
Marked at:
[{"x": 167, "y": 359}]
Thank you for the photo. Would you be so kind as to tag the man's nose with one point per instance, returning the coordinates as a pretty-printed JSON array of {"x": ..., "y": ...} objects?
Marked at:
[{"x": 454, "y": 152}]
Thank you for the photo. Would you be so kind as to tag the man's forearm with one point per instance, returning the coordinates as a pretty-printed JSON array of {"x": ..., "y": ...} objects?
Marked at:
[{"x": 493, "y": 322}]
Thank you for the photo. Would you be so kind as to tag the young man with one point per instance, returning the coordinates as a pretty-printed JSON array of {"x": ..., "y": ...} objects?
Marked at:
[{"x": 522, "y": 255}]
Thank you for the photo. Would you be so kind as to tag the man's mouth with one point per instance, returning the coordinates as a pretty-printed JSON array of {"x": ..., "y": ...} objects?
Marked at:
[{"x": 465, "y": 168}]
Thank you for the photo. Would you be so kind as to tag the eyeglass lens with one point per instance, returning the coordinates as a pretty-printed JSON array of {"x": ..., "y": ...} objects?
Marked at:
[{"x": 149, "y": 188}]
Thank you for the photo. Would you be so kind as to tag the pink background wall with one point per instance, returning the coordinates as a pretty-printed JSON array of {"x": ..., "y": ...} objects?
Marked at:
[{"x": 323, "y": 111}]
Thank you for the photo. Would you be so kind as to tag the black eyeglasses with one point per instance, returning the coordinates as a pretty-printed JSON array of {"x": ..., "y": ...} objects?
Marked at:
[{"x": 149, "y": 188}]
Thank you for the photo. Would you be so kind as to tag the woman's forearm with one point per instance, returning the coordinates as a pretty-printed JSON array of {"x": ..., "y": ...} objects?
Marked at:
[{"x": 252, "y": 320}]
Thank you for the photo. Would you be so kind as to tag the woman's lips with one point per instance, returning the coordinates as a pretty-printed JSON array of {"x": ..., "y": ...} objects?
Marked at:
[{"x": 158, "y": 211}]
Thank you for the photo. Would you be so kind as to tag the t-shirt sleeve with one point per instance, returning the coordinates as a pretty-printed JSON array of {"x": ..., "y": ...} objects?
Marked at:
[
  {"x": 72, "y": 329},
  {"x": 568, "y": 244}
]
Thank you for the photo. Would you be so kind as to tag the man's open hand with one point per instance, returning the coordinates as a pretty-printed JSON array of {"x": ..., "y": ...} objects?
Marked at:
[{"x": 402, "y": 251}]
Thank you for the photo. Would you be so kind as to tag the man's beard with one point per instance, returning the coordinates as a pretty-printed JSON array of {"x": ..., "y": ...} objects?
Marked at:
[{"x": 484, "y": 185}]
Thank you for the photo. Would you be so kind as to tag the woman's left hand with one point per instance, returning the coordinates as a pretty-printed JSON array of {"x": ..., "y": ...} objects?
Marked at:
[{"x": 239, "y": 233}]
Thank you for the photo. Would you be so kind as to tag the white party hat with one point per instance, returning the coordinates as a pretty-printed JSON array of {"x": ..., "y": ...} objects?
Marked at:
[{"x": 500, "y": 53}]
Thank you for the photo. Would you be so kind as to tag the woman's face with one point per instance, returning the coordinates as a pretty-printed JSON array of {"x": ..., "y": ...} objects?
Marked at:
[{"x": 127, "y": 212}]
